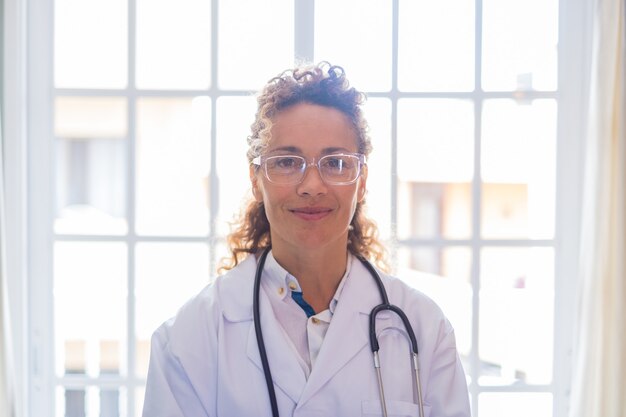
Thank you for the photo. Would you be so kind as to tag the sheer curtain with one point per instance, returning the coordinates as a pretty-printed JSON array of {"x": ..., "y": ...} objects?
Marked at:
[
  {"x": 7, "y": 402},
  {"x": 599, "y": 385}
]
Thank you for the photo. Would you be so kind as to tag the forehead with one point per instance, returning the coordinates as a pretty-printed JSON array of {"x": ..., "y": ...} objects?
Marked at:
[{"x": 311, "y": 128}]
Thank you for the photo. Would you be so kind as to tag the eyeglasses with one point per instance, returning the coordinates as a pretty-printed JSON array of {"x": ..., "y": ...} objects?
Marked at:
[{"x": 335, "y": 169}]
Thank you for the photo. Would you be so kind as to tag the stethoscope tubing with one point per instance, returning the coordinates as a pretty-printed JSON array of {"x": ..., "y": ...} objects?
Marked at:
[
  {"x": 259, "y": 334},
  {"x": 374, "y": 340},
  {"x": 372, "y": 334}
]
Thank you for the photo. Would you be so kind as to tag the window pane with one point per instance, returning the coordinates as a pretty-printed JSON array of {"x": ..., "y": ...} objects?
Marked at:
[
  {"x": 90, "y": 307},
  {"x": 517, "y": 404},
  {"x": 91, "y": 165},
  {"x": 173, "y": 161},
  {"x": 221, "y": 253},
  {"x": 249, "y": 58},
  {"x": 377, "y": 112},
  {"x": 434, "y": 210},
  {"x": 112, "y": 403},
  {"x": 234, "y": 117},
  {"x": 435, "y": 167},
  {"x": 167, "y": 275},
  {"x": 90, "y": 43},
  {"x": 444, "y": 275},
  {"x": 516, "y": 315},
  {"x": 179, "y": 54},
  {"x": 140, "y": 394},
  {"x": 91, "y": 401},
  {"x": 518, "y": 169},
  {"x": 91, "y": 117},
  {"x": 520, "y": 45},
  {"x": 436, "y": 45},
  {"x": 363, "y": 47}
]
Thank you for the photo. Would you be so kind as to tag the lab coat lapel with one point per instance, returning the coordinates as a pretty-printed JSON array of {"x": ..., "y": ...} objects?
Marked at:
[
  {"x": 348, "y": 332},
  {"x": 286, "y": 371}
]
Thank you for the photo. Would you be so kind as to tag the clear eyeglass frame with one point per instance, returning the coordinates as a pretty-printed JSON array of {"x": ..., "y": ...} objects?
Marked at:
[{"x": 298, "y": 175}]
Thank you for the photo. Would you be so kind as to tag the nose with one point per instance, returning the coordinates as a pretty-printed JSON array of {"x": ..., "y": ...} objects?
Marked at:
[{"x": 312, "y": 183}]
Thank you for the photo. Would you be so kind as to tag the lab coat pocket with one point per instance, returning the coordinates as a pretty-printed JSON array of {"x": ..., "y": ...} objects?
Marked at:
[{"x": 394, "y": 409}]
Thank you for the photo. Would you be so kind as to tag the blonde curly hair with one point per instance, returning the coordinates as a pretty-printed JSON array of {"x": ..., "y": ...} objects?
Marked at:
[{"x": 322, "y": 84}]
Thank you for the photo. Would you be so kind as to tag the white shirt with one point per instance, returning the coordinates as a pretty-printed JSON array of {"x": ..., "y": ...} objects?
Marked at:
[{"x": 305, "y": 333}]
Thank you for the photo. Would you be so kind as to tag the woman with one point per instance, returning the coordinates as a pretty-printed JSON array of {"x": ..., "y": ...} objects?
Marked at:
[{"x": 305, "y": 238}]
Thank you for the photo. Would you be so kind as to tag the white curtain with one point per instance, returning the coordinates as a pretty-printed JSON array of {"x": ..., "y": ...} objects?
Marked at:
[
  {"x": 599, "y": 383},
  {"x": 7, "y": 401}
]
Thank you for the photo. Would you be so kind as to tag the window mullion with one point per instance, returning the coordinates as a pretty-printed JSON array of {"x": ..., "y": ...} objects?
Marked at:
[
  {"x": 476, "y": 207},
  {"x": 304, "y": 28},
  {"x": 130, "y": 209},
  {"x": 214, "y": 93},
  {"x": 476, "y": 245},
  {"x": 575, "y": 23},
  {"x": 393, "y": 175}
]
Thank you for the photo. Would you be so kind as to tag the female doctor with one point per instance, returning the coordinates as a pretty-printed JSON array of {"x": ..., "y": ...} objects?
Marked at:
[{"x": 286, "y": 331}]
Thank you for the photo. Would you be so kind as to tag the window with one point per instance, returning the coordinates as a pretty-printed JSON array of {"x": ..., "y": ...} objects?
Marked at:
[{"x": 138, "y": 163}]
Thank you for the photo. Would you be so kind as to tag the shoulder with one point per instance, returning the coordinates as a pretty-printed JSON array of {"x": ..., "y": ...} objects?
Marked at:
[
  {"x": 405, "y": 292},
  {"x": 402, "y": 293},
  {"x": 229, "y": 295}
]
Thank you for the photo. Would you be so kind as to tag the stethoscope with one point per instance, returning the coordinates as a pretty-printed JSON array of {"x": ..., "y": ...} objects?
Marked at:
[{"x": 417, "y": 389}]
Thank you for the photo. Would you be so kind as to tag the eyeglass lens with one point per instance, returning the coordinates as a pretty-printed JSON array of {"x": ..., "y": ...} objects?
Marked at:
[{"x": 334, "y": 169}]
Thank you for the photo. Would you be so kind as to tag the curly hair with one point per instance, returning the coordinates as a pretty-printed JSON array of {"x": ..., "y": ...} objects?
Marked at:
[{"x": 325, "y": 85}]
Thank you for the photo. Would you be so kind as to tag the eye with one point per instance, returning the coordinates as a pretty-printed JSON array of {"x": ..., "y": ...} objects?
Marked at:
[
  {"x": 337, "y": 162},
  {"x": 285, "y": 162},
  {"x": 334, "y": 162}
]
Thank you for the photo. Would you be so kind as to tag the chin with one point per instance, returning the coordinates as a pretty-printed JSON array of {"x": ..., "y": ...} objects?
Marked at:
[{"x": 312, "y": 242}]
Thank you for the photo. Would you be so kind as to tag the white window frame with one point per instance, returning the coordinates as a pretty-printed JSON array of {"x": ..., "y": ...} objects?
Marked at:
[
  {"x": 40, "y": 394},
  {"x": 13, "y": 142},
  {"x": 27, "y": 105},
  {"x": 575, "y": 36}
]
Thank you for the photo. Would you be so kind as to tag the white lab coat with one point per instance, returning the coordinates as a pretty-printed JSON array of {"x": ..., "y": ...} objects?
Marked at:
[{"x": 205, "y": 361}]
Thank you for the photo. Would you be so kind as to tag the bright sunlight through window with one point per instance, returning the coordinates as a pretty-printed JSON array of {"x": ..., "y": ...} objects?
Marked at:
[{"x": 152, "y": 103}]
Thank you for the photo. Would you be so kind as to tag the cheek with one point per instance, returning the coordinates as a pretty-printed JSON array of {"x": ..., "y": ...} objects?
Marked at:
[
  {"x": 272, "y": 199},
  {"x": 352, "y": 199},
  {"x": 258, "y": 195},
  {"x": 362, "y": 190}
]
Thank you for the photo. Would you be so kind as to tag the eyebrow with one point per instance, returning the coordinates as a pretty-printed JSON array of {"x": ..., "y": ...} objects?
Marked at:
[{"x": 296, "y": 150}]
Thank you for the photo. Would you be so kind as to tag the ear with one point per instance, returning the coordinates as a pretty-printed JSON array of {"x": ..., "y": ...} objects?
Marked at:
[
  {"x": 362, "y": 185},
  {"x": 254, "y": 180}
]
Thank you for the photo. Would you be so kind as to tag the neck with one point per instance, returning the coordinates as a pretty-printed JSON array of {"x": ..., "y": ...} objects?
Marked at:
[{"x": 318, "y": 271}]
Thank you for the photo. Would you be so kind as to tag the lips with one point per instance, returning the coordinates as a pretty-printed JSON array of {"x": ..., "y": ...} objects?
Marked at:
[{"x": 311, "y": 213}]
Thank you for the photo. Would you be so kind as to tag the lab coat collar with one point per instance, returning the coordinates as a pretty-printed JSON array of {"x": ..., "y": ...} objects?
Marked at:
[
  {"x": 237, "y": 285},
  {"x": 275, "y": 277},
  {"x": 287, "y": 373},
  {"x": 346, "y": 337}
]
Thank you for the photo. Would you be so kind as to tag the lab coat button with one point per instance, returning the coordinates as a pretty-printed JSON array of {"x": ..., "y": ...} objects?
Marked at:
[
  {"x": 315, "y": 320},
  {"x": 293, "y": 286},
  {"x": 281, "y": 290}
]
